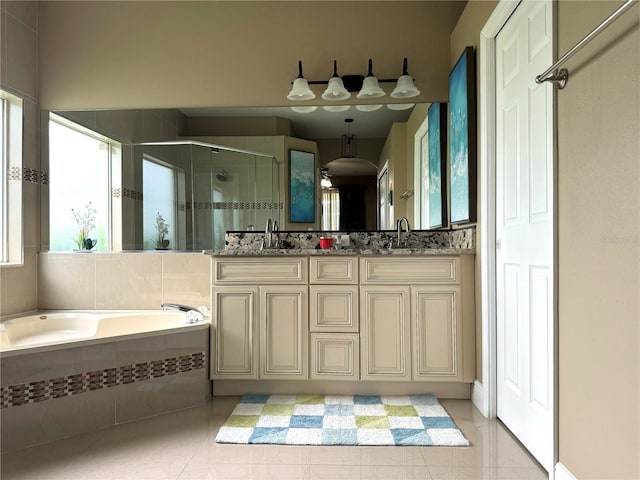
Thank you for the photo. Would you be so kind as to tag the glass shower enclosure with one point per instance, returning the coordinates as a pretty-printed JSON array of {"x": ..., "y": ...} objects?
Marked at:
[{"x": 195, "y": 192}]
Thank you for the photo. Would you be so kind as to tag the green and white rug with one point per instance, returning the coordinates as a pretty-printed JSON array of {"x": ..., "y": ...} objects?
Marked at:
[{"x": 340, "y": 420}]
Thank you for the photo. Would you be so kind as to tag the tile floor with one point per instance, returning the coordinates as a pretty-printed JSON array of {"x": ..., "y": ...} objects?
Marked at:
[{"x": 180, "y": 446}]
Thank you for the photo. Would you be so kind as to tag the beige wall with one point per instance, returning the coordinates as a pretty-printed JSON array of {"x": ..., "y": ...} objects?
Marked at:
[
  {"x": 599, "y": 251},
  {"x": 467, "y": 33},
  {"x": 194, "y": 54},
  {"x": 19, "y": 76}
]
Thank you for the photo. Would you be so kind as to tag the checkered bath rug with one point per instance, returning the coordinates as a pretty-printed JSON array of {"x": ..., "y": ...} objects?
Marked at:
[{"x": 340, "y": 420}]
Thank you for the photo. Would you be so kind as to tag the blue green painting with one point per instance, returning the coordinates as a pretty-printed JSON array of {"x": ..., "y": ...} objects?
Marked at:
[
  {"x": 302, "y": 205},
  {"x": 459, "y": 117},
  {"x": 435, "y": 197}
]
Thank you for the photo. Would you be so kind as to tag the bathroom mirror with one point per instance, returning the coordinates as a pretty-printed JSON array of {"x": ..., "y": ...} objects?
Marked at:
[{"x": 243, "y": 129}]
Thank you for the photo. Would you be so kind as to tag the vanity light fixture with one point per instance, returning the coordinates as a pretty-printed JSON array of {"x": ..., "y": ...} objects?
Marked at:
[
  {"x": 301, "y": 90},
  {"x": 335, "y": 89},
  {"x": 325, "y": 181},
  {"x": 405, "y": 88},
  {"x": 400, "y": 106},
  {"x": 336, "y": 108},
  {"x": 340, "y": 87}
]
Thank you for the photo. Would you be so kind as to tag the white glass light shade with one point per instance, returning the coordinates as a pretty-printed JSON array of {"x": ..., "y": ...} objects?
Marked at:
[
  {"x": 368, "y": 108},
  {"x": 400, "y": 106},
  {"x": 370, "y": 88},
  {"x": 336, "y": 108},
  {"x": 335, "y": 90},
  {"x": 325, "y": 183},
  {"x": 301, "y": 90},
  {"x": 405, "y": 88},
  {"x": 305, "y": 109}
]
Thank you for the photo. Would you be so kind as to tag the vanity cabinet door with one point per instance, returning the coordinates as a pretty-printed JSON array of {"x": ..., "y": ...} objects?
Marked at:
[
  {"x": 284, "y": 327},
  {"x": 437, "y": 333},
  {"x": 335, "y": 356},
  {"x": 234, "y": 341},
  {"x": 334, "y": 308},
  {"x": 385, "y": 326}
]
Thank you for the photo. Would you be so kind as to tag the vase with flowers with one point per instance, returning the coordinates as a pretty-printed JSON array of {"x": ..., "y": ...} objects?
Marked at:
[
  {"x": 86, "y": 221},
  {"x": 162, "y": 227}
]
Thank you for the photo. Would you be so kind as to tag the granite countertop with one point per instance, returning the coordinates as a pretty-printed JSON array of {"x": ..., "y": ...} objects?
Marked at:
[
  {"x": 438, "y": 242},
  {"x": 272, "y": 252}
]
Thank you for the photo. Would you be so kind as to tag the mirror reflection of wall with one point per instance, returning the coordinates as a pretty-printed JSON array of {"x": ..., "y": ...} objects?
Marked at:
[{"x": 177, "y": 195}]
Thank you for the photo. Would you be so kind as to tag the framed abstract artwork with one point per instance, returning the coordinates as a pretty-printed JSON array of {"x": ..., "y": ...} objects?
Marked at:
[
  {"x": 437, "y": 165},
  {"x": 462, "y": 139},
  {"x": 302, "y": 187}
]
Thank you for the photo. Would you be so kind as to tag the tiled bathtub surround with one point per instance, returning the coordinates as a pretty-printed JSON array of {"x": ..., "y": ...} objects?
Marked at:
[
  {"x": 362, "y": 242},
  {"x": 55, "y": 394},
  {"x": 42, "y": 390}
]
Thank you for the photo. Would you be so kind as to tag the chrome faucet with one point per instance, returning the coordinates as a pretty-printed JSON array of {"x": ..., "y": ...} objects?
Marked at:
[
  {"x": 268, "y": 231},
  {"x": 399, "y": 223},
  {"x": 192, "y": 314},
  {"x": 275, "y": 230}
]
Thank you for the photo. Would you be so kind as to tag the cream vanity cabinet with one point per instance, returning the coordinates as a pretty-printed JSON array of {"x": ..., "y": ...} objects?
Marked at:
[
  {"x": 334, "y": 318},
  {"x": 260, "y": 313},
  {"x": 417, "y": 318}
]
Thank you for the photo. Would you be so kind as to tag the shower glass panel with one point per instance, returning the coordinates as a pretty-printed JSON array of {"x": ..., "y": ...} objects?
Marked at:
[{"x": 217, "y": 189}]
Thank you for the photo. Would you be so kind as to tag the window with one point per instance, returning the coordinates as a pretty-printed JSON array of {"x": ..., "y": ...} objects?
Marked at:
[
  {"x": 159, "y": 190},
  {"x": 11, "y": 179},
  {"x": 330, "y": 209},
  {"x": 82, "y": 168}
]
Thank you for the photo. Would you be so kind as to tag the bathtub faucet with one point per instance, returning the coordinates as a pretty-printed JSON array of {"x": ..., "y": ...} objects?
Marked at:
[{"x": 192, "y": 314}]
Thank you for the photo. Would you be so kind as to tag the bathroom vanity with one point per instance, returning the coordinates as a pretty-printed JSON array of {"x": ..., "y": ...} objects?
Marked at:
[{"x": 343, "y": 320}]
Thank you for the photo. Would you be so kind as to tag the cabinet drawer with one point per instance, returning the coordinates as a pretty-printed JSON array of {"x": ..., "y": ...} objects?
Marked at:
[
  {"x": 333, "y": 270},
  {"x": 260, "y": 271},
  {"x": 409, "y": 270}
]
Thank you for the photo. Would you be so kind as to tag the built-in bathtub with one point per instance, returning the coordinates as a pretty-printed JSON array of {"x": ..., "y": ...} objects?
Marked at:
[{"x": 69, "y": 372}]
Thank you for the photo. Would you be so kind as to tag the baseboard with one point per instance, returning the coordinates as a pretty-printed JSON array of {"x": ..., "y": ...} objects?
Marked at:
[
  {"x": 439, "y": 389},
  {"x": 478, "y": 397},
  {"x": 562, "y": 473}
]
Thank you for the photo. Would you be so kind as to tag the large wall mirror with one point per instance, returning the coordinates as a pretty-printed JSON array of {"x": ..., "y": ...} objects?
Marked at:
[{"x": 222, "y": 169}]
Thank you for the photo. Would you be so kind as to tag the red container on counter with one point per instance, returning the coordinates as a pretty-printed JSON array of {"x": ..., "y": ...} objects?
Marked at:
[{"x": 326, "y": 242}]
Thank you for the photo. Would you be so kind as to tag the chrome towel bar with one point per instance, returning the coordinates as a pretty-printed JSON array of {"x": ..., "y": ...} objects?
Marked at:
[{"x": 560, "y": 78}]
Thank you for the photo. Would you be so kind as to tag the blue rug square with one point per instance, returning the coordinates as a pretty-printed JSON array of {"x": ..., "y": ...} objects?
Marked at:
[
  {"x": 333, "y": 409},
  {"x": 305, "y": 421},
  {"x": 367, "y": 400},
  {"x": 269, "y": 435},
  {"x": 438, "y": 422},
  {"x": 411, "y": 436}
]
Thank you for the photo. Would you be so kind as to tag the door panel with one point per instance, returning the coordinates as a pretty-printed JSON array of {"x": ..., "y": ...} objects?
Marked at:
[{"x": 524, "y": 228}]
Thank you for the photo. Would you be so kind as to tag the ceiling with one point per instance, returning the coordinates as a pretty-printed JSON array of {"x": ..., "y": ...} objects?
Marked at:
[{"x": 318, "y": 124}]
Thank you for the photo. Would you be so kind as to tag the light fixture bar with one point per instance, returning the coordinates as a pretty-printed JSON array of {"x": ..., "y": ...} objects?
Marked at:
[{"x": 340, "y": 87}]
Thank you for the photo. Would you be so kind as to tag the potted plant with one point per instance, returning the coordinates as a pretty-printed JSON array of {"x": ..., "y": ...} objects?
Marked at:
[{"x": 162, "y": 228}]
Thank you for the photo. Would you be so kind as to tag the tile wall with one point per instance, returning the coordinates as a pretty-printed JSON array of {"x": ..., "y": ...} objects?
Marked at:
[
  {"x": 19, "y": 76},
  {"x": 127, "y": 280}
]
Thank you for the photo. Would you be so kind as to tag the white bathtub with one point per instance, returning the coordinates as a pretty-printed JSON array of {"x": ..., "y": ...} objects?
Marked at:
[
  {"x": 56, "y": 329},
  {"x": 69, "y": 372}
]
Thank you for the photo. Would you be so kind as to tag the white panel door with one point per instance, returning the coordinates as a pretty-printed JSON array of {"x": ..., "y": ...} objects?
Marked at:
[{"x": 524, "y": 228}]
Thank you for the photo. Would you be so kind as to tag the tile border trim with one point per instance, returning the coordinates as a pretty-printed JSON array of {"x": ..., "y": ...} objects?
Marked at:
[{"x": 43, "y": 390}]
